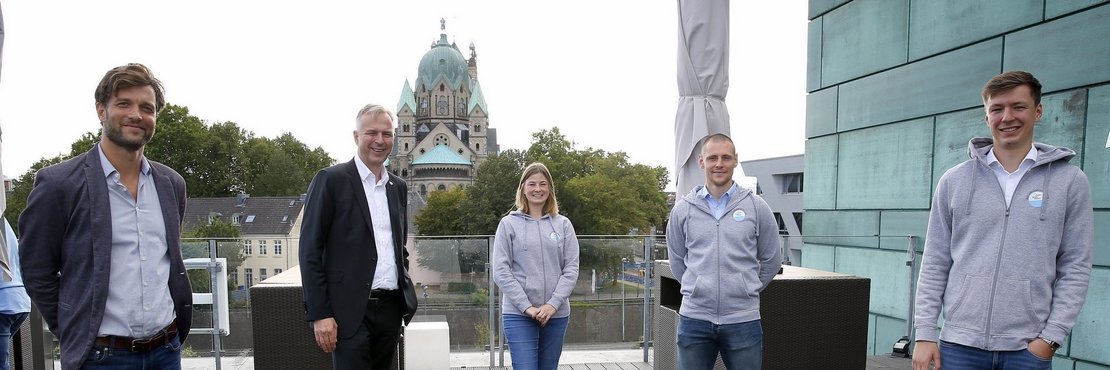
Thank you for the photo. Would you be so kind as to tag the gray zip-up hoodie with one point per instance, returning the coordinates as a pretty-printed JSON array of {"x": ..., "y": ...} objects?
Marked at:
[
  {"x": 723, "y": 263},
  {"x": 535, "y": 262},
  {"x": 1006, "y": 275}
]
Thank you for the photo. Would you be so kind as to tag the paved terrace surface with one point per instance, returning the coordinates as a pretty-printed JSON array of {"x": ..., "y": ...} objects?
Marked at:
[{"x": 571, "y": 360}]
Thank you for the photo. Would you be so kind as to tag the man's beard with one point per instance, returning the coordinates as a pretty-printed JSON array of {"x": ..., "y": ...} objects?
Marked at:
[{"x": 115, "y": 135}]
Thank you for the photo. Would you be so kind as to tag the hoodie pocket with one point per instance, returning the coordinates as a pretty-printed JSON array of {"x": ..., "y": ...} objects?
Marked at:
[
  {"x": 970, "y": 309},
  {"x": 1013, "y": 309}
]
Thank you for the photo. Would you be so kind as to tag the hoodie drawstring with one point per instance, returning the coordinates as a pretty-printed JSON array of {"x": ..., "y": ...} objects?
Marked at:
[
  {"x": 756, "y": 215},
  {"x": 974, "y": 179}
]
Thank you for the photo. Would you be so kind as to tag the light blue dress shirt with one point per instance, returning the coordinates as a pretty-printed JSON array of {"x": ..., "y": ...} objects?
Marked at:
[
  {"x": 139, "y": 302},
  {"x": 13, "y": 298},
  {"x": 718, "y": 206}
]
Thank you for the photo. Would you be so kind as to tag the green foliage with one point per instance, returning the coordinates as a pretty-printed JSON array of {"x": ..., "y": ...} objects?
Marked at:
[
  {"x": 227, "y": 246},
  {"x": 21, "y": 188},
  {"x": 452, "y": 256},
  {"x": 461, "y": 287},
  {"x": 216, "y": 160},
  {"x": 601, "y": 192},
  {"x": 444, "y": 213},
  {"x": 492, "y": 194}
]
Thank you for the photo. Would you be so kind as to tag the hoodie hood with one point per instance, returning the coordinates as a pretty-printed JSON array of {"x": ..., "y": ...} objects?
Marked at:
[{"x": 978, "y": 148}]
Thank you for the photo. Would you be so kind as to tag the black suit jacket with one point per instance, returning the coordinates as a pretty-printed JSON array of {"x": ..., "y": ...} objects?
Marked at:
[
  {"x": 67, "y": 229},
  {"x": 337, "y": 251}
]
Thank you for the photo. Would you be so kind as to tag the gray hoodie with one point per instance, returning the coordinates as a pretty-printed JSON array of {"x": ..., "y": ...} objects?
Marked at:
[
  {"x": 1006, "y": 275},
  {"x": 724, "y": 263},
  {"x": 535, "y": 262}
]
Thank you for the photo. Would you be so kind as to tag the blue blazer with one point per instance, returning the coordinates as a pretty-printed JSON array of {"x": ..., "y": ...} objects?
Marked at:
[
  {"x": 66, "y": 249},
  {"x": 338, "y": 257}
]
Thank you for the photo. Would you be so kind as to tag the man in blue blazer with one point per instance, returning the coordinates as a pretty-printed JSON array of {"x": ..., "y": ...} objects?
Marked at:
[
  {"x": 354, "y": 265},
  {"x": 100, "y": 249}
]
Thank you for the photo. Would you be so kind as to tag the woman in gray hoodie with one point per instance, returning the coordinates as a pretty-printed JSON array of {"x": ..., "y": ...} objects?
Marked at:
[{"x": 535, "y": 263}]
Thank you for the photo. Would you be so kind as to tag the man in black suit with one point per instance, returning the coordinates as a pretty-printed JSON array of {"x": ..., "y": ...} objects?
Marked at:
[{"x": 354, "y": 266}]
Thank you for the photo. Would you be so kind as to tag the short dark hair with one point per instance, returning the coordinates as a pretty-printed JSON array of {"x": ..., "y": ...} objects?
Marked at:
[
  {"x": 718, "y": 137},
  {"x": 1011, "y": 80},
  {"x": 129, "y": 75}
]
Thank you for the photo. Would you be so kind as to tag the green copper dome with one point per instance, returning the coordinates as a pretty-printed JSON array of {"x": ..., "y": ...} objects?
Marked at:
[{"x": 443, "y": 61}]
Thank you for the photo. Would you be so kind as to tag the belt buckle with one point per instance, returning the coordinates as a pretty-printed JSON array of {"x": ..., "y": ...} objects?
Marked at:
[{"x": 144, "y": 342}]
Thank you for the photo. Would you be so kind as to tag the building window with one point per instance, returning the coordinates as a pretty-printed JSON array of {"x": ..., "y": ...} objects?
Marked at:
[
  {"x": 781, "y": 223},
  {"x": 798, "y": 220},
  {"x": 277, "y": 271},
  {"x": 406, "y": 147},
  {"x": 261, "y": 247},
  {"x": 234, "y": 277},
  {"x": 235, "y": 219},
  {"x": 277, "y": 247},
  {"x": 405, "y": 128},
  {"x": 477, "y": 128},
  {"x": 250, "y": 218},
  {"x": 791, "y": 182},
  {"x": 477, "y": 147},
  {"x": 247, "y": 247},
  {"x": 249, "y": 275},
  {"x": 261, "y": 274},
  {"x": 442, "y": 187}
]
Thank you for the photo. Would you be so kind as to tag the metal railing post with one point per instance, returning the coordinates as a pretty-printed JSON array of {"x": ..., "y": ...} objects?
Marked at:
[
  {"x": 911, "y": 257},
  {"x": 649, "y": 244},
  {"x": 214, "y": 269},
  {"x": 491, "y": 297}
]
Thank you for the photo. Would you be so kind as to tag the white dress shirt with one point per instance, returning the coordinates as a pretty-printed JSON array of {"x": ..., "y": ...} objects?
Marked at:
[
  {"x": 1009, "y": 181},
  {"x": 385, "y": 274}
]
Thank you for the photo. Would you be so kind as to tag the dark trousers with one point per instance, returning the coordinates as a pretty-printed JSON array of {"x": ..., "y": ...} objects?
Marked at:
[{"x": 374, "y": 344}]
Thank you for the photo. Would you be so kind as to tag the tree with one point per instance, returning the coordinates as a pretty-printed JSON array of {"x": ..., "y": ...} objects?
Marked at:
[
  {"x": 21, "y": 188},
  {"x": 493, "y": 193},
  {"x": 601, "y": 192},
  {"x": 444, "y": 213},
  {"x": 228, "y": 246}
]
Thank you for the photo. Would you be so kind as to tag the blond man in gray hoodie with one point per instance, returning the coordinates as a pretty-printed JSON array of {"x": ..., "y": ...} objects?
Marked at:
[{"x": 1008, "y": 252}]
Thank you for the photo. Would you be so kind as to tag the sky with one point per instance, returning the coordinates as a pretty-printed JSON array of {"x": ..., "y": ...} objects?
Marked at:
[{"x": 603, "y": 72}]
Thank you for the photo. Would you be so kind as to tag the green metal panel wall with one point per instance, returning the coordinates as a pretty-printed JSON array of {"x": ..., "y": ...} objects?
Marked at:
[
  {"x": 1056, "y": 8},
  {"x": 938, "y": 25},
  {"x": 902, "y": 223},
  {"x": 887, "y": 270},
  {"x": 886, "y": 166},
  {"x": 1064, "y": 53},
  {"x": 821, "y": 112},
  {"x": 1097, "y": 161},
  {"x": 888, "y": 114},
  {"x": 862, "y": 37},
  {"x": 820, "y": 174},
  {"x": 945, "y": 82}
]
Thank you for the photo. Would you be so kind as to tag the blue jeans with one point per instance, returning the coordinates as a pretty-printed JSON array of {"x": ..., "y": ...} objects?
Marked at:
[
  {"x": 533, "y": 347},
  {"x": 166, "y": 357},
  {"x": 958, "y": 357},
  {"x": 740, "y": 345},
  {"x": 9, "y": 326}
]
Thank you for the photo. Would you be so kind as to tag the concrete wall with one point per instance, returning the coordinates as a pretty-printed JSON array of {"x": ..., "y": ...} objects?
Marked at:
[
  {"x": 893, "y": 100},
  {"x": 769, "y": 174}
]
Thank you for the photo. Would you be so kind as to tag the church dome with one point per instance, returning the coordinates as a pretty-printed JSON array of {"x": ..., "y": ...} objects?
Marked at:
[{"x": 444, "y": 60}]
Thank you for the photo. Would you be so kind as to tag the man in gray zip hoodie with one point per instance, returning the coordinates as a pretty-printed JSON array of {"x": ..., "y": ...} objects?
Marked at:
[
  {"x": 723, "y": 245},
  {"x": 1008, "y": 251}
]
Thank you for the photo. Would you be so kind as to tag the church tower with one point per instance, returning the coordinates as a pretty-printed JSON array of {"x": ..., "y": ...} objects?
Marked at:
[{"x": 443, "y": 131}]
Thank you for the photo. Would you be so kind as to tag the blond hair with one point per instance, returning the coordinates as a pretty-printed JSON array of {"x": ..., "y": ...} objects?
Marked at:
[{"x": 551, "y": 206}]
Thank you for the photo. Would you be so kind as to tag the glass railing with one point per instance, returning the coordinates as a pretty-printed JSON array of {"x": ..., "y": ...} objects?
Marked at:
[{"x": 612, "y": 302}]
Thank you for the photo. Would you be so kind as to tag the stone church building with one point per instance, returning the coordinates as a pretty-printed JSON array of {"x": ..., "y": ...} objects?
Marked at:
[{"x": 443, "y": 131}]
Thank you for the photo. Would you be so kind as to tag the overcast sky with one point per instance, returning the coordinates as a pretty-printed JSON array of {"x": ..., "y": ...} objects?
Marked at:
[{"x": 604, "y": 72}]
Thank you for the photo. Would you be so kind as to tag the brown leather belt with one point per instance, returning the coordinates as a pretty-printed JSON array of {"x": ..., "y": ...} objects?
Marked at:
[{"x": 139, "y": 344}]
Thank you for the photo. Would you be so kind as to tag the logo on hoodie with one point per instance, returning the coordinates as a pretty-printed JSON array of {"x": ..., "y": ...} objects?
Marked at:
[
  {"x": 1035, "y": 199},
  {"x": 739, "y": 215}
]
